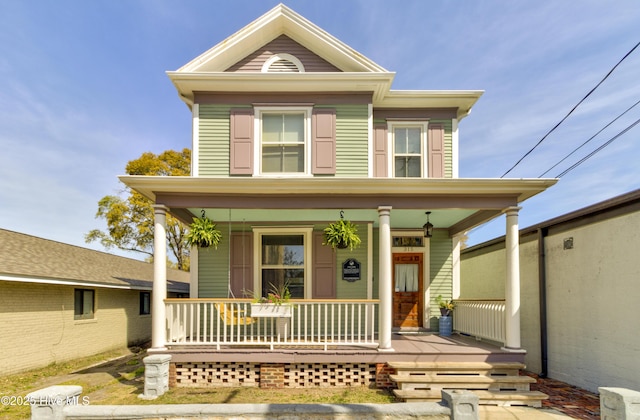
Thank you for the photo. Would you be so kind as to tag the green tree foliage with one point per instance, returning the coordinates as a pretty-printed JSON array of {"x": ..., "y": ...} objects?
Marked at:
[{"x": 130, "y": 219}]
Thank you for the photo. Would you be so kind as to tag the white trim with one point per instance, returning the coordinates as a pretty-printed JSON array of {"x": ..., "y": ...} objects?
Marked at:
[
  {"x": 193, "y": 272},
  {"x": 371, "y": 140},
  {"x": 282, "y": 56},
  {"x": 370, "y": 260},
  {"x": 424, "y": 147},
  {"x": 455, "y": 257},
  {"x": 257, "y": 135},
  {"x": 306, "y": 232},
  {"x": 455, "y": 149},
  {"x": 195, "y": 143}
]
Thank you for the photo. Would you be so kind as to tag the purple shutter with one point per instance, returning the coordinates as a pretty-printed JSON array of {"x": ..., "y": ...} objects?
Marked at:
[
  {"x": 380, "y": 156},
  {"x": 241, "y": 142},
  {"x": 241, "y": 263},
  {"x": 436, "y": 150},
  {"x": 323, "y": 123},
  {"x": 324, "y": 269}
]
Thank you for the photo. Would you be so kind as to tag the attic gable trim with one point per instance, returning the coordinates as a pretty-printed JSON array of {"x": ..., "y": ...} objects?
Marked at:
[{"x": 282, "y": 20}]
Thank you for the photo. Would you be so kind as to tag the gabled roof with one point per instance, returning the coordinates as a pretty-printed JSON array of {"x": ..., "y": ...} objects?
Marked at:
[
  {"x": 281, "y": 20},
  {"x": 208, "y": 72},
  {"x": 27, "y": 258}
]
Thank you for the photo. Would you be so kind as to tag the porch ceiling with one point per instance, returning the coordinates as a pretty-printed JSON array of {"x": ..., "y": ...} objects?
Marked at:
[{"x": 457, "y": 204}]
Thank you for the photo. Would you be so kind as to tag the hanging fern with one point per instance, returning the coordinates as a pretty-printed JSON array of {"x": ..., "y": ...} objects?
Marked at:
[
  {"x": 203, "y": 233},
  {"x": 342, "y": 234}
]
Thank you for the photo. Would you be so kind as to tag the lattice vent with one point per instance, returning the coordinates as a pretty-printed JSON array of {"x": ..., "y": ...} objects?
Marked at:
[
  {"x": 303, "y": 375},
  {"x": 217, "y": 374}
]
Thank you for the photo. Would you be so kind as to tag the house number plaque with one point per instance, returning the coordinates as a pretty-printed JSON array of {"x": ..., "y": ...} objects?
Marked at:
[{"x": 351, "y": 270}]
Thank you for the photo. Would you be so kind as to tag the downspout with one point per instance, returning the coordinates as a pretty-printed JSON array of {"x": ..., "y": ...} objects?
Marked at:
[{"x": 542, "y": 283}]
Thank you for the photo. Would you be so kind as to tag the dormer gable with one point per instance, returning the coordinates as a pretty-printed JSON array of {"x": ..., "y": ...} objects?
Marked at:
[{"x": 281, "y": 20}]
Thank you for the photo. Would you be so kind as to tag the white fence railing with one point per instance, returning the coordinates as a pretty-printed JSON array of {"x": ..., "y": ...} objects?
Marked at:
[
  {"x": 480, "y": 318},
  {"x": 229, "y": 322}
]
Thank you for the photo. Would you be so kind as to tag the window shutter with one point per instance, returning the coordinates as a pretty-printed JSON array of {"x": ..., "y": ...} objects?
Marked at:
[
  {"x": 323, "y": 122},
  {"x": 241, "y": 139},
  {"x": 380, "y": 156},
  {"x": 241, "y": 263},
  {"x": 436, "y": 150},
  {"x": 324, "y": 269}
]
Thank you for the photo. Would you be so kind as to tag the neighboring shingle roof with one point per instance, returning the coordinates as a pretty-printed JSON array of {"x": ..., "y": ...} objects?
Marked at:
[{"x": 36, "y": 259}]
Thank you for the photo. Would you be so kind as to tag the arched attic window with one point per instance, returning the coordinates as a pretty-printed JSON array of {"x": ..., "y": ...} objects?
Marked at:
[{"x": 282, "y": 63}]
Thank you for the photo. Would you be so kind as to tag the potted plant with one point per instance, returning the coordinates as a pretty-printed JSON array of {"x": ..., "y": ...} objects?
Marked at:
[
  {"x": 275, "y": 304},
  {"x": 446, "y": 306},
  {"x": 203, "y": 233},
  {"x": 342, "y": 234}
]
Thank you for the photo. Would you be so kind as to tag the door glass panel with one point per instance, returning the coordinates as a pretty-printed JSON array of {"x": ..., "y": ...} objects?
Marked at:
[{"x": 406, "y": 276}]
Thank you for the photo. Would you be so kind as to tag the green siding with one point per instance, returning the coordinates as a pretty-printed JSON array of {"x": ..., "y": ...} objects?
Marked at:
[
  {"x": 356, "y": 289},
  {"x": 441, "y": 273},
  {"x": 213, "y": 269},
  {"x": 213, "y": 132}
]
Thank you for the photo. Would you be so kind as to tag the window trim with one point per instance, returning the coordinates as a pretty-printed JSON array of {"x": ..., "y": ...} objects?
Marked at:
[
  {"x": 142, "y": 294},
  {"x": 82, "y": 316},
  {"x": 305, "y": 231},
  {"x": 257, "y": 127},
  {"x": 424, "y": 146}
]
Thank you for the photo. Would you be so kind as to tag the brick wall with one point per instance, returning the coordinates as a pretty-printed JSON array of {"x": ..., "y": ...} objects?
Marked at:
[{"x": 37, "y": 325}]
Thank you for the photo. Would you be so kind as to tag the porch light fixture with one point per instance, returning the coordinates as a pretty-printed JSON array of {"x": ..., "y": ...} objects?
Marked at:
[{"x": 428, "y": 227}]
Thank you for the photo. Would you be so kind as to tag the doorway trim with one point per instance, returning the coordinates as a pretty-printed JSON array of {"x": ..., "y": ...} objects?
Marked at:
[{"x": 426, "y": 267}]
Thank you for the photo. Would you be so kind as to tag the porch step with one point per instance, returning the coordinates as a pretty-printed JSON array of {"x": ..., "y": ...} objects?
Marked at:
[
  {"x": 498, "y": 383},
  {"x": 498, "y": 368},
  {"x": 495, "y": 383},
  {"x": 500, "y": 398}
]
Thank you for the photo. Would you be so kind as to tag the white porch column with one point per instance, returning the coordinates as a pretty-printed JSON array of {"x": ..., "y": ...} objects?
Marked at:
[
  {"x": 159, "y": 292},
  {"x": 512, "y": 286},
  {"x": 385, "y": 286}
]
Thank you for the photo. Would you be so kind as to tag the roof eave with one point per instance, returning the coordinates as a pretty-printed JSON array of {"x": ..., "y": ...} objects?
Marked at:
[
  {"x": 189, "y": 83},
  {"x": 523, "y": 189}
]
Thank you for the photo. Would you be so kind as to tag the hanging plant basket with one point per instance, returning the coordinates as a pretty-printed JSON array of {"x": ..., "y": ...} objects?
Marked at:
[
  {"x": 203, "y": 233},
  {"x": 342, "y": 234}
]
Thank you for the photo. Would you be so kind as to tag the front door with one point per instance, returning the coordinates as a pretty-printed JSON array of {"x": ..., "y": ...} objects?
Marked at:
[{"x": 407, "y": 290}]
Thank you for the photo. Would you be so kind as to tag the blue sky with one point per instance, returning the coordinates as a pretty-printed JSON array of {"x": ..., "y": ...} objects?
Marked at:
[{"x": 83, "y": 90}]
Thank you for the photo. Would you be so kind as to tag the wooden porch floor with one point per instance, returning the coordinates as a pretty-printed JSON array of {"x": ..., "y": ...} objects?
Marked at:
[{"x": 414, "y": 347}]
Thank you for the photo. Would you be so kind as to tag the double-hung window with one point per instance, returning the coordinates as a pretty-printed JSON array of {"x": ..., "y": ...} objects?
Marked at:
[
  {"x": 409, "y": 149},
  {"x": 283, "y": 258},
  {"x": 284, "y": 138}
]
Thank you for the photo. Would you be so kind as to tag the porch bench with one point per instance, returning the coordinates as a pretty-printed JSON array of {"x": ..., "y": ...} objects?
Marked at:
[{"x": 486, "y": 397}]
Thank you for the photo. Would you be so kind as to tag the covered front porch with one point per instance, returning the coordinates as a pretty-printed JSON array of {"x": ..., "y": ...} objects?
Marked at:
[{"x": 387, "y": 209}]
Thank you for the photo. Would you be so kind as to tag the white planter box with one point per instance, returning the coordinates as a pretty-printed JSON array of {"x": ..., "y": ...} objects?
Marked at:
[{"x": 270, "y": 310}]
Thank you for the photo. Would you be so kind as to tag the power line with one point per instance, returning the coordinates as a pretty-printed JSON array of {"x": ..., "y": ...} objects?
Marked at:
[
  {"x": 590, "y": 138},
  {"x": 578, "y": 163},
  {"x": 571, "y": 112}
]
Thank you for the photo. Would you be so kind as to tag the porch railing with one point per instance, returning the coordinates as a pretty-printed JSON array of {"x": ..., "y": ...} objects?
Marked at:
[
  {"x": 481, "y": 318},
  {"x": 228, "y": 322}
]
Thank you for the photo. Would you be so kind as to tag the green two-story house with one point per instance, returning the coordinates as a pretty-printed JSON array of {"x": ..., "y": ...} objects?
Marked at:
[{"x": 293, "y": 130}]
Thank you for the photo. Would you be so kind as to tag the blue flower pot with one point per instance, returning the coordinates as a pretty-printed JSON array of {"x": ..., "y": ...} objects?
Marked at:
[{"x": 445, "y": 326}]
